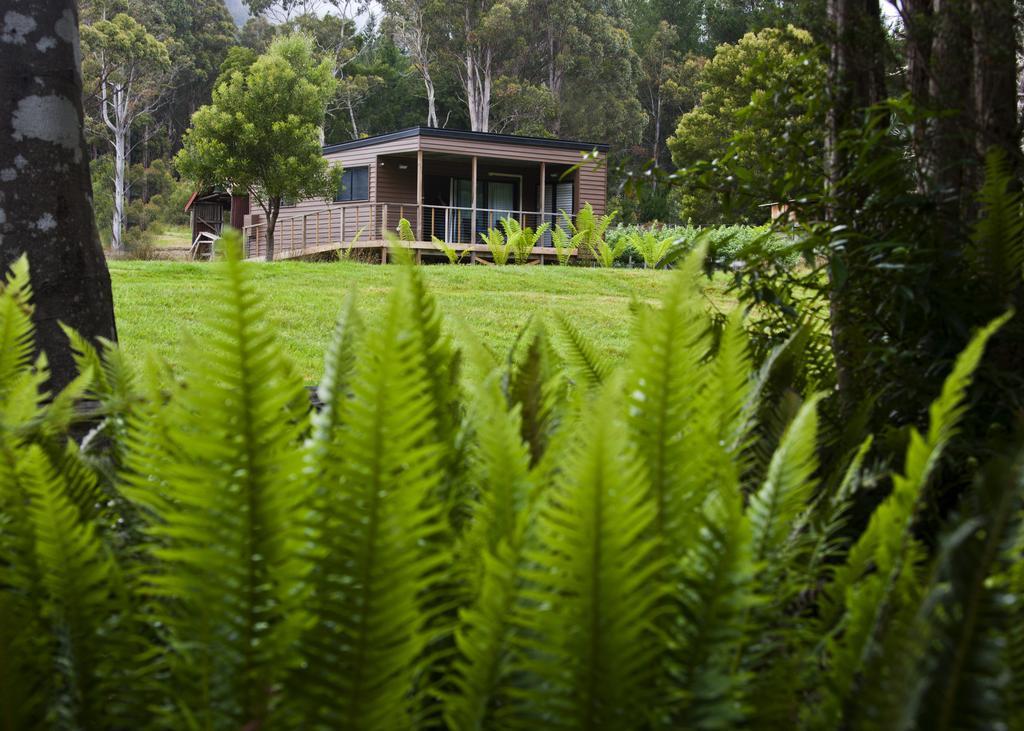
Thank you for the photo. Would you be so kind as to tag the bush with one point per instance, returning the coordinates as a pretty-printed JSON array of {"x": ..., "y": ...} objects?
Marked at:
[
  {"x": 726, "y": 244},
  {"x": 427, "y": 550}
]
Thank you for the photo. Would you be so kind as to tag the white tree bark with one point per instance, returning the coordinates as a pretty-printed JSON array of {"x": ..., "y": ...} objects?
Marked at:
[
  {"x": 476, "y": 79},
  {"x": 411, "y": 34}
]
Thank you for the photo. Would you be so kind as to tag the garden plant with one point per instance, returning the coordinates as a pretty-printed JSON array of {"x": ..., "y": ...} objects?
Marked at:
[{"x": 456, "y": 538}]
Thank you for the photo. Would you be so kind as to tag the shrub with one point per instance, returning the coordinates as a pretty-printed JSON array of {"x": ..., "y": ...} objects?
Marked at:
[
  {"x": 431, "y": 550},
  {"x": 726, "y": 244},
  {"x": 498, "y": 245}
]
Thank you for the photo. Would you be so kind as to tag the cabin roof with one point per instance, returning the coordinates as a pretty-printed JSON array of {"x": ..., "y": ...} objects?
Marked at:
[{"x": 458, "y": 134}]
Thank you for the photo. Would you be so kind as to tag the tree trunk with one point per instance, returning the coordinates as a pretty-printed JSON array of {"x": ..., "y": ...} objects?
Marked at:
[
  {"x": 120, "y": 165},
  {"x": 45, "y": 189},
  {"x": 856, "y": 81},
  {"x": 272, "y": 213},
  {"x": 917, "y": 19},
  {"x": 995, "y": 77},
  {"x": 950, "y": 151},
  {"x": 428, "y": 83}
]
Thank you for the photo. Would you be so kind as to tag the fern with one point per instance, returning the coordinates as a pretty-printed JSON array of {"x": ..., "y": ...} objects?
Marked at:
[
  {"x": 963, "y": 675},
  {"x": 788, "y": 487},
  {"x": 564, "y": 243},
  {"x": 582, "y": 357},
  {"x": 453, "y": 255},
  {"x": 651, "y": 248},
  {"x": 499, "y": 247},
  {"x": 997, "y": 243},
  {"x": 877, "y": 586},
  {"x": 535, "y": 383},
  {"x": 16, "y": 329},
  {"x": 227, "y": 536},
  {"x": 718, "y": 592},
  {"x": 667, "y": 387},
  {"x": 376, "y": 572},
  {"x": 594, "y": 657}
]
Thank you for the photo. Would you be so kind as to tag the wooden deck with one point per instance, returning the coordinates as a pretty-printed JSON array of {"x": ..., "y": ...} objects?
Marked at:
[
  {"x": 364, "y": 227},
  {"x": 474, "y": 253}
]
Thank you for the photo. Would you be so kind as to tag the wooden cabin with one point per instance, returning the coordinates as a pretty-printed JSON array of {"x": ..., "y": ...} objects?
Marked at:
[{"x": 449, "y": 184}]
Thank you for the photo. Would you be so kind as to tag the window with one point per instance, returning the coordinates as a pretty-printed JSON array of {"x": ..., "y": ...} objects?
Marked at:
[{"x": 355, "y": 185}]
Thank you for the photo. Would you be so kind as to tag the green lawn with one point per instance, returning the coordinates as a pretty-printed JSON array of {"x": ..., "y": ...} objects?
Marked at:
[
  {"x": 173, "y": 236},
  {"x": 158, "y": 304}
]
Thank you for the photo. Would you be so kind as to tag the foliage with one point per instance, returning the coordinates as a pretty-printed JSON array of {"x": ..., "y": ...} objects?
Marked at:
[
  {"x": 424, "y": 551},
  {"x": 652, "y": 246},
  {"x": 453, "y": 255},
  {"x": 522, "y": 239},
  {"x": 564, "y": 243},
  {"x": 262, "y": 131},
  {"x": 127, "y": 71},
  {"x": 500, "y": 247},
  {"x": 754, "y": 95},
  {"x": 589, "y": 230}
]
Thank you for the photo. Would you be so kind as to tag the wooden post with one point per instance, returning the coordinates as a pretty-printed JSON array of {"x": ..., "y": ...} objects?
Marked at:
[
  {"x": 540, "y": 195},
  {"x": 472, "y": 197},
  {"x": 419, "y": 195},
  {"x": 383, "y": 229}
]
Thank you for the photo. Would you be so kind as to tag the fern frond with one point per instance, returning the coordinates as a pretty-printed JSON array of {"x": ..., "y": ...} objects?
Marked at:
[
  {"x": 78, "y": 604},
  {"x": 963, "y": 678},
  {"x": 228, "y": 537},
  {"x": 335, "y": 384},
  {"x": 374, "y": 582},
  {"x": 718, "y": 593},
  {"x": 581, "y": 356},
  {"x": 673, "y": 432},
  {"x": 788, "y": 487},
  {"x": 997, "y": 243},
  {"x": 500, "y": 473},
  {"x": 483, "y": 696},
  {"x": 535, "y": 385},
  {"x": 878, "y": 579},
  {"x": 593, "y": 559},
  {"x": 734, "y": 390},
  {"x": 16, "y": 328}
]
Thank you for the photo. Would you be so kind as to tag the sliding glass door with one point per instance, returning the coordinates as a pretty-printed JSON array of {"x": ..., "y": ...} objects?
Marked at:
[{"x": 494, "y": 201}]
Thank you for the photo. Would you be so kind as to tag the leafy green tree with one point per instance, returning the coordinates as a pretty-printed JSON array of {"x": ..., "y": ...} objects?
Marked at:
[
  {"x": 751, "y": 98},
  {"x": 128, "y": 68},
  {"x": 262, "y": 133}
]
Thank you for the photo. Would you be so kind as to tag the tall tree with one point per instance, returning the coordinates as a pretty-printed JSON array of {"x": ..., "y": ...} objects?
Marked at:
[
  {"x": 856, "y": 81},
  {"x": 744, "y": 110},
  {"x": 262, "y": 133},
  {"x": 45, "y": 190},
  {"x": 412, "y": 28},
  {"x": 668, "y": 85},
  {"x": 129, "y": 68}
]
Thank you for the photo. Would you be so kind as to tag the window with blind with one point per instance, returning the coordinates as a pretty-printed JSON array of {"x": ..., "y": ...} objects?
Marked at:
[{"x": 355, "y": 185}]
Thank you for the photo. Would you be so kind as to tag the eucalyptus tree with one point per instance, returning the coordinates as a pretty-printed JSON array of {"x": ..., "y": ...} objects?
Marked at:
[
  {"x": 45, "y": 191},
  {"x": 414, "y": 30},
  {"x": 128, "y": 68}
]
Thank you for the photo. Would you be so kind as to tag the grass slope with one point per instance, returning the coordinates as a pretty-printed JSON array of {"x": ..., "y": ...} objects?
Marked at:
[{"x": 159, "y": 303}]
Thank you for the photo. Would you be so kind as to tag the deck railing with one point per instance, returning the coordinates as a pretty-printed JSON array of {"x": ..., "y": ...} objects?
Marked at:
[{"x": 336, "y": 226}]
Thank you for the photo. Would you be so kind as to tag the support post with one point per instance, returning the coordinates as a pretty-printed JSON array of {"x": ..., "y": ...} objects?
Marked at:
[
  {"x": 419, "y": 195},
  {"x": 540, "y": 194},
  {"x": 472, "y": 217}
]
